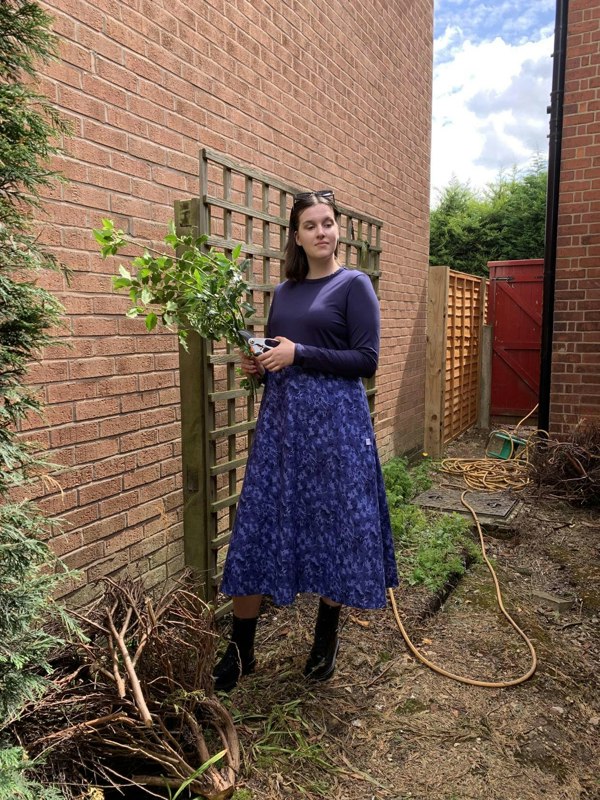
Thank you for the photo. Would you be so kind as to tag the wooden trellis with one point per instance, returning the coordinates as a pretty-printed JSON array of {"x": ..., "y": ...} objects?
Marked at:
[
  {"x": 455, "y": 317},
  {"x": 238, "y": 205}
]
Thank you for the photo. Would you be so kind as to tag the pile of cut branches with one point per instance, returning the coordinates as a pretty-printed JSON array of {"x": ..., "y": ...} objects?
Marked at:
[
  {"x": 133, "y": 705},
  {"x": 569, "y": 470}
]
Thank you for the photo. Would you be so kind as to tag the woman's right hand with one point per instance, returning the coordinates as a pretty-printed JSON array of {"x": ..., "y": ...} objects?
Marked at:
[{"x": 251, "y": 367}]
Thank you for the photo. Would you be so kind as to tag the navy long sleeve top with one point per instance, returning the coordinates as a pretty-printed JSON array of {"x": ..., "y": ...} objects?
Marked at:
[{"x": 334, "y": 322}]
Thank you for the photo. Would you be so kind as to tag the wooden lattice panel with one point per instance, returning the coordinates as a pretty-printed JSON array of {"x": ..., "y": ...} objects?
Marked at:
[
  {"x": 463, "y": 343},
  {"x": 456, "y": 311},
  {"x": 238, "y": 205}
]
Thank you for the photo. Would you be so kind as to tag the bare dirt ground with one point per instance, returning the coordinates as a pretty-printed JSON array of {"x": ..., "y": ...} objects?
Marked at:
[{"x": 387, "y": 727}]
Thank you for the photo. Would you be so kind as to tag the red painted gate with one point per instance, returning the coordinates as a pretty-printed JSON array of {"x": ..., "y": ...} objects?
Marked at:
[{"x": 515, "y": 311}]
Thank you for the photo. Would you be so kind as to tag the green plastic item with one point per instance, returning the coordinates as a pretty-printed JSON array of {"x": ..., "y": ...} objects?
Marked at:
[{"x": 504, "y": 445}]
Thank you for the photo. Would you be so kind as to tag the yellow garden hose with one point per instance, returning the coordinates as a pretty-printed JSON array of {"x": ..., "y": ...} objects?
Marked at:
[
  {"x": 462, "y": 678},
  {"x": 488, "y": 474}
]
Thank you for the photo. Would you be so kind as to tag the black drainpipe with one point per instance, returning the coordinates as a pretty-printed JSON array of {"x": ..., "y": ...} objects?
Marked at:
[{"x": 554, "y": 158}]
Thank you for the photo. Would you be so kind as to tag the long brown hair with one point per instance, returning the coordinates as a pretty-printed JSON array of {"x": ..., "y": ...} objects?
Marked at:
[{"x": 296, "y": 263}]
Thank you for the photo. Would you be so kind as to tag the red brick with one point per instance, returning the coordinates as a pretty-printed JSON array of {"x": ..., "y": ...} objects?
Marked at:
[
  {"x": 147, "y": 151},
  {"x": 159, "y": 380},
  {"x": 124, "y": 539},
  {"x": 137, "y": 401},
  {"x": 116, "y": 345},
  {"x": 144, "y": 512},
  {"x": 66, "y": 543},
  {"x": 108, "y": 566},
  {"x": 123, "y": 384},
  {"x": 83, "y": 557},
  {"x": 154, "y": 454},
  {"x": 47, "y": 372},
  {"x": 139, "y": 477},
  {"x": 134, "y": 364},
  {"x": 114, "y": 466},
  {"x": 77, "y": 518},
  {"x": 94, "y": 409},
  {"x": 167, "y": 433},
  {"x": 95, "y": 326},
  {"x": 100, "y": 490},
  {"x": 171, "y": 467},
  {"x": 90, "y": 452},
  {"x": 138, "y": 440},
  {"x": 157, "y": 417},
  {"x": 72, "y": 478}
]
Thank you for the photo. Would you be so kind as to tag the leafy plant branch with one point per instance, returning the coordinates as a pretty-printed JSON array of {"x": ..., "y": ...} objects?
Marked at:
[{"x": 195, "y": 289}]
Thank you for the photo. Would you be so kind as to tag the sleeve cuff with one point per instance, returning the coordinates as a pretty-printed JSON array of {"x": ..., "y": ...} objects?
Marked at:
[{"x": 298, "y": 355}]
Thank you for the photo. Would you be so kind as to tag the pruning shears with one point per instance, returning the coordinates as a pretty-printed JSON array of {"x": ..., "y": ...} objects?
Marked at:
[{"x": 258, "y": 345}]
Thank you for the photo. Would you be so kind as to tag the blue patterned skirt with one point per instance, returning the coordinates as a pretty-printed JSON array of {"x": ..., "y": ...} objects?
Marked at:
[{"x": 312, "y": 515}]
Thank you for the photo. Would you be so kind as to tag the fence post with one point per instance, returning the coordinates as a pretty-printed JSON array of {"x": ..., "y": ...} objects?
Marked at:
[
  {"x": 435, "y": 374},
  {"x": 485, "y": 386},
  {"x": 194, "y": 432}
]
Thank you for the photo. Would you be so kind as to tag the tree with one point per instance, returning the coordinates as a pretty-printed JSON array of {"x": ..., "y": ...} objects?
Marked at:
[
  {"x": 456, "y": 229},
  {"x": 28, "y": 576},
  {"x": 506, "y": 222},
  {"x": 524, "y": 216}
]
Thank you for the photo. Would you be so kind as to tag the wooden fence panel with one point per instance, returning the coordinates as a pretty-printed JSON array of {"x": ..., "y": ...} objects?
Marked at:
[
  {"x": 455, "y": 318},
  {"x": 238, "y": 204}
]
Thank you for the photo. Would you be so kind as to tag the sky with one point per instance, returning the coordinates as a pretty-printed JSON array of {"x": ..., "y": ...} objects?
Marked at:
[{"x": 492, "y": 78}]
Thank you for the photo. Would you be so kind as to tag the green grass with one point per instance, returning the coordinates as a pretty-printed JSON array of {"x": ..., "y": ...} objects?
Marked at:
[
  {"x": 403, "y": 483},
  {"x": 285, "y": 742},
  {"x": 431, "y": 548}
]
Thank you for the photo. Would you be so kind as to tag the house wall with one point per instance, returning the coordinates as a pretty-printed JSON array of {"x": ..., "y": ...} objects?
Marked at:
[
  {"x": 320, "y": 94},
  {"x": 575, "y": 389}
]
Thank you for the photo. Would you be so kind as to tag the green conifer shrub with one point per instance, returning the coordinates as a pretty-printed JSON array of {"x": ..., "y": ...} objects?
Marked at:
[{"x": 29, "y": 128}]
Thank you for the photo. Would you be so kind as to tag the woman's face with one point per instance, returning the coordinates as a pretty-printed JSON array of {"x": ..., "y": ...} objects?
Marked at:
[{"x": 318, "y": 232}]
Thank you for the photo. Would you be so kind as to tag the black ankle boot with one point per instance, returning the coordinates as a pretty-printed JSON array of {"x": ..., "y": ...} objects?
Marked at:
[
  {"x": 239, "y": 658},
  {"x": 321, "y": 661}
]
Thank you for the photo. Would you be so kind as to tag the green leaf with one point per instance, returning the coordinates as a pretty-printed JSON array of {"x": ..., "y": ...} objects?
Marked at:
[
  {"x": 99, "y": 236},
  {"x": 198, "y": 772},
  {"x": 109, "y": 250},
  {"x": 151, "y": 320},
  {"x": 147, "y": 297},
  {"x": 171, "y": 238},
  {"x": 236, "y": 252},
  {"x": 132, "y": 313},
  {"x": 125, "y": 273},
  {"x": 120, "y": 283}
]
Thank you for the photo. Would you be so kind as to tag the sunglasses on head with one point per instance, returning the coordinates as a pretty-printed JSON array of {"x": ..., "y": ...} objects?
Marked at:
[{"x": 326, "y": 194}]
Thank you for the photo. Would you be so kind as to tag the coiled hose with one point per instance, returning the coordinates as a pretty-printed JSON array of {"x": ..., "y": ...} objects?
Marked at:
[{"x": 491, "y": 475}]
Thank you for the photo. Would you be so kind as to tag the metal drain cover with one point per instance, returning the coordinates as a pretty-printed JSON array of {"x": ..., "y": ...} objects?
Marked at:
[{"x": 490, "y": 506}]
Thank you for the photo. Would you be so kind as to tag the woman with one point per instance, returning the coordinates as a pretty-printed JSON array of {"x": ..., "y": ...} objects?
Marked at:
[{"x": 312, "y": 515}]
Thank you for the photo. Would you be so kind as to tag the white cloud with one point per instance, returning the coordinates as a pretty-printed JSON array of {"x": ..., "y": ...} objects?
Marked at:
[
  {"x": 515, "y": 21},
  {"x": 489, "y": 102},
  {"x": 443, "y": 45}
]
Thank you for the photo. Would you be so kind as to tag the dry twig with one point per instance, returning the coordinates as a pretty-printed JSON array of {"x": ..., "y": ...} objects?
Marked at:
[
  {"x": 569, "y": 470},
  {"x": 139, "y": 705}
]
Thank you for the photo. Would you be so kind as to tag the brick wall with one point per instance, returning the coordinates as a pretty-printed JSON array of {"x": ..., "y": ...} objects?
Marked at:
[
  {"x": 575, "y": 391},
  {"x": 319, "y": 94}
]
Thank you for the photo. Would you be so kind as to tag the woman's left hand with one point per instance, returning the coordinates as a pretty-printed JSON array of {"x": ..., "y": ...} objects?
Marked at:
[{"x": 279, "y": 357}]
